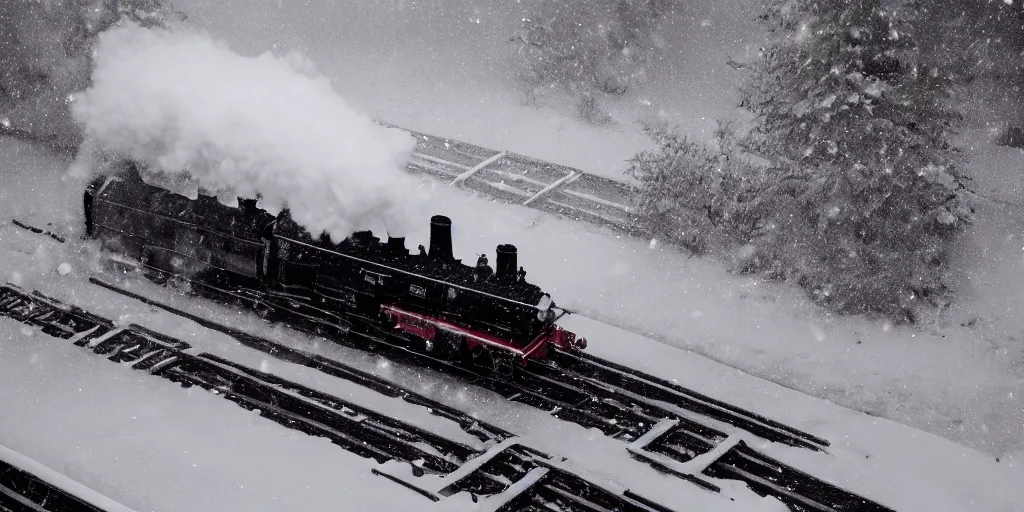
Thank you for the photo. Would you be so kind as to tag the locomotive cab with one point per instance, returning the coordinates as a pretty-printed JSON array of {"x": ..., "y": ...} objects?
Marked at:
[{"x": 493, "y": 310}]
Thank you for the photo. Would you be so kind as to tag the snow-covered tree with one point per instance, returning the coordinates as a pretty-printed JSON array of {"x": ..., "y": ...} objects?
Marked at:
[
  {"x": 979, "y": 43},
  {"x": 861, "y": 194},
  {"x": 705, "y": 200},
  {"x": 588, "y": 46},
  {"x": 45, "y": 56},
  {"x": 844, "y": 104}
]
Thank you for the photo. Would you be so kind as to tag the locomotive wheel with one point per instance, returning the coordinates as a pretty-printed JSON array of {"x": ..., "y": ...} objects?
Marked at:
[
  {"x": 318, "y": 329},
  {"x": 481, "y": 358},
  {"x": 262, "y": 309},
  {"x": 179, "y": 283},
  {"x": 447, "y": 345},
  {"x": 504, "y": 366}
]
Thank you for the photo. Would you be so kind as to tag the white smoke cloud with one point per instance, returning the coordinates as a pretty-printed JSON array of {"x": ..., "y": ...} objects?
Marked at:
[{"x": 189, "y": 107}]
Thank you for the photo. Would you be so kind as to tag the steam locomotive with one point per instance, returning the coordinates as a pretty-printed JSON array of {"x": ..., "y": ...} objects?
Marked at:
[{"x": 429, "y": 301}]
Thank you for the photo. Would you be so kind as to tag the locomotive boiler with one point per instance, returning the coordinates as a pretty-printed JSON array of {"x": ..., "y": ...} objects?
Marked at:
[{"x": 427, "y": 299}]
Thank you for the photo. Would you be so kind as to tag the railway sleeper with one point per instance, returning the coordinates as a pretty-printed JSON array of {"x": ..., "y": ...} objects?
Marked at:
[
  {"x": 687, "y": 440},
  {"x": 393, "y": 439},
  {"x": 329, "y": 366},
  {"x": 524, "y": 481},
  {"x": 21, "y": 491},
  {"x": 560, "y": 490},
  {"x": 495, "y": 475},
  {"x": 587, "y": 366},
  {"x": 51, "y": 317},
  {"x": 797, "y": 489}
]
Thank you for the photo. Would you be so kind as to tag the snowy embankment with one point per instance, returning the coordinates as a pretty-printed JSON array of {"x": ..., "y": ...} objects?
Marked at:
[
  {"x": 899, "y": 466},
  {"x": 958, "y": 381},
  {"x": 604, "y": 461}
]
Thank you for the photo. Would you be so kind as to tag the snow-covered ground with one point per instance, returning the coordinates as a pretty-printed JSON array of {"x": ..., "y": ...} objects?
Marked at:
[
  {"x": 900, "y": 466},
  {"x": 959, "y": 376},
  {"x": 448, "y": 71},
  {"x": 170, "y": 427}
]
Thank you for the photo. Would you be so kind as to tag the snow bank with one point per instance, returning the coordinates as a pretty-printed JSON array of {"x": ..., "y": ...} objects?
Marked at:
[{"x": 206, "y": 117}]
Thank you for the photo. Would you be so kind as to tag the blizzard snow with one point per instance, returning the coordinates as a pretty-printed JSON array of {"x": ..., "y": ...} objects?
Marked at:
[
  {"x": 236, "y": 126},
  {"x": 957, "y": 378},
  {"x": 447, "y": 71}
]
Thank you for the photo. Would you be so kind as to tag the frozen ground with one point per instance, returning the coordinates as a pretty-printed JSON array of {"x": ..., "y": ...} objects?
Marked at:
[
  {"x": 760, "y": 328},
  {"x": 177, "y": 421}
]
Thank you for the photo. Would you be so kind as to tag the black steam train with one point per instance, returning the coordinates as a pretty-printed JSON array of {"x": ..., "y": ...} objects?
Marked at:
[{"x": 429, "y": 300}]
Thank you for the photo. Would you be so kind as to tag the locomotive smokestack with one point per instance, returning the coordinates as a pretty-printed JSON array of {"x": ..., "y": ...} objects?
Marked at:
[
  {"x": 396, "y": 244},
  {"x": 441, "y": 238},
  {"x": 506, "y": 263}
]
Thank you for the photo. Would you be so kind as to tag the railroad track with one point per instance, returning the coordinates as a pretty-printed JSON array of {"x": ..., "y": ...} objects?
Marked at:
[
  {"x": 597, "y": 374},
  {"x": 23, "y": 491},
  {"x": 682, "y": 441},
  {"x": 665, "y": 425},
  {"x": 506, "y": 475}
]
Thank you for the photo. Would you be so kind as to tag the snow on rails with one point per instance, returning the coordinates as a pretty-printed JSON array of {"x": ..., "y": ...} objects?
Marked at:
[
  {"x": 506, "y": 477},
  {"x": 675, "y": 430},
  {"x": 519, "y": 179}
]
